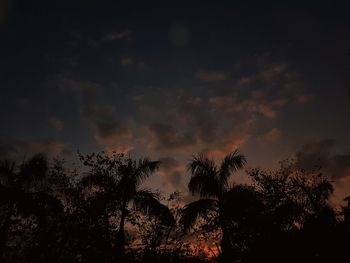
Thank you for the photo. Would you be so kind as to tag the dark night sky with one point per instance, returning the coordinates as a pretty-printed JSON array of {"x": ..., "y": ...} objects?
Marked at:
[{"x": 174, "y": 78}]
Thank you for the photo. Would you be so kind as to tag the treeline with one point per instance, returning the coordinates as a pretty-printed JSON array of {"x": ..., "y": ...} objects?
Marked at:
[{"x": 102, "y": 213}]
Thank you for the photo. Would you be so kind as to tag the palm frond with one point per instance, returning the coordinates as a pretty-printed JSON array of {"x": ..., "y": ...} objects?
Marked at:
[
  {"x": 230, "y": 164},
  {"x": 126, "y": 189},
  {"x": 148, "y": 203},
  {"x": 205, "y": 185},
  {"x": 192, "y": 211},
  {"x": 98, "y": 179},
  {"x": 33, "y": 170},
  {"x": 204, "y": 180},
  {"x": 144, "y": 168},
  {"x": 201, "y": 164}
]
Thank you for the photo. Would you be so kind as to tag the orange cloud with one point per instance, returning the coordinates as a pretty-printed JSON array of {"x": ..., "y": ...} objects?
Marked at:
[
  {"x": 271, "y": 136},
  {"x": 305, "y": 98},
  {"x": 19, "y": 149},
  {"x": 211, "y": 76},
  {"x": 273, "y": 71}
]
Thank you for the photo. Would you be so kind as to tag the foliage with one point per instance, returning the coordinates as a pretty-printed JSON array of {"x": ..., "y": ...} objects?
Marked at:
[{"x": 101, "y": 213}]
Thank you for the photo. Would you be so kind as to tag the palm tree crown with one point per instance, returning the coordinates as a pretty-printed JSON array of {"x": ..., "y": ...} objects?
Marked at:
[
  {"x": 24, "y": 191},
  {"x": 211, "y": 183},
  {"x": 209, "y": 180},
  {"x": 121, "y": 185}
]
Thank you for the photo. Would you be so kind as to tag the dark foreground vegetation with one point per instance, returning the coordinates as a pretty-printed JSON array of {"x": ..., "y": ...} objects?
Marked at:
[{"x": 102, "y": 213}]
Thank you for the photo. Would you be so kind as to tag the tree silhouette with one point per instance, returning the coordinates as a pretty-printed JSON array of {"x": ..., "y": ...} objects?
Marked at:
[
  {"x": 121, "y": 179},
  {"x": 24, "y": 193},
  {"x": 300, "y": 224},
  {"x": 292, "y": 194},
  {"x": 50, "y": 213},
  {"x": 211, "y": 183},
  {"x": 346, "y": 210}
]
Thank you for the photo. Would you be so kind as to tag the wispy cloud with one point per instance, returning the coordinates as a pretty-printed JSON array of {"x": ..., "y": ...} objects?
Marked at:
[
  {"x": 271, "y": 136},
  {"x": 127, "y": 61},
  {"x": 110, "y": 129},
  {"x": 320, "y": 154},
  {"x": 56, "y": 124},
  {"x": 15, "y": 149},
  {"x": 172, "y": 173},
  {"x": 166, "y": 136},
  {"x": 116, "y": 35},
  {"x": 211, "y": 75}
]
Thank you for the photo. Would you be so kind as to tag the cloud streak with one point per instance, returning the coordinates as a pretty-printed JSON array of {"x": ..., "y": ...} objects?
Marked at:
[
  {"x": 320, "y": 155},
  {"x": 13, "y": 149}
]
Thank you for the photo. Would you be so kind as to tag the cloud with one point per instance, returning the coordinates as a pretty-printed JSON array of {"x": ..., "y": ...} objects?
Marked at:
[
  {"x": 211, "y": 76},
  {"x": 176, "y": 121},
  {"x": 172, "y": 173},
  {"x": 127, "y": 61},
  {"x": 182, "y": 121},
  {"x": 6, "y": 8},
  {"x": 320, "y": 155},
  {"x": 96, "y": 41},
  {"x": 257, "y": 103},
  {"x": 222, "y": 102},
  {"x": 110, "y": 150},
  {"x": 273, "y": 72},
  {"x": 179, "y": 35},
  {"x": 14, "y": 149},
  {"x": 277, "y": 80},
  {"x": 246, "y": 81},
  {"x": 269, "y": 73},
  {"x": 110, "y": 129},
  {"x": 271, "y": 136},
  {"x": 263, "y": 108},
  {"x": 232, "y": 139},
  {"x": 215, "y": 125},
  {"x": 126, "y": 34},
  {"x": 304, "y": 98},
  {"x": 166, "y": 136},
  {"x": 56, "y": 124}
]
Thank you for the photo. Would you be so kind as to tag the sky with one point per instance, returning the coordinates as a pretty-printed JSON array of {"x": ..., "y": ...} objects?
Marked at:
[{"x": 169, "y": 79}]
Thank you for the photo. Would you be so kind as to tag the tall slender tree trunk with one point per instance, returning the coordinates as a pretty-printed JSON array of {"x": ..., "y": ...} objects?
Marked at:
[
  {"x": 43, "y": 235},
  {"x": 226, "y": 249},
  {"x": 4, "y": 231},
  {"x": 121, "y": 232},
  {"x": 167, "y": 238}
]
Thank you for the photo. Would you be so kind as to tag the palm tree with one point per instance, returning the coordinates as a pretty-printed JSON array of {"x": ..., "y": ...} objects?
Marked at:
[
  {"x": 23, "y": 191},
  {"x": 122, "y": 186},
  {"x": 211, "y": 183}
]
